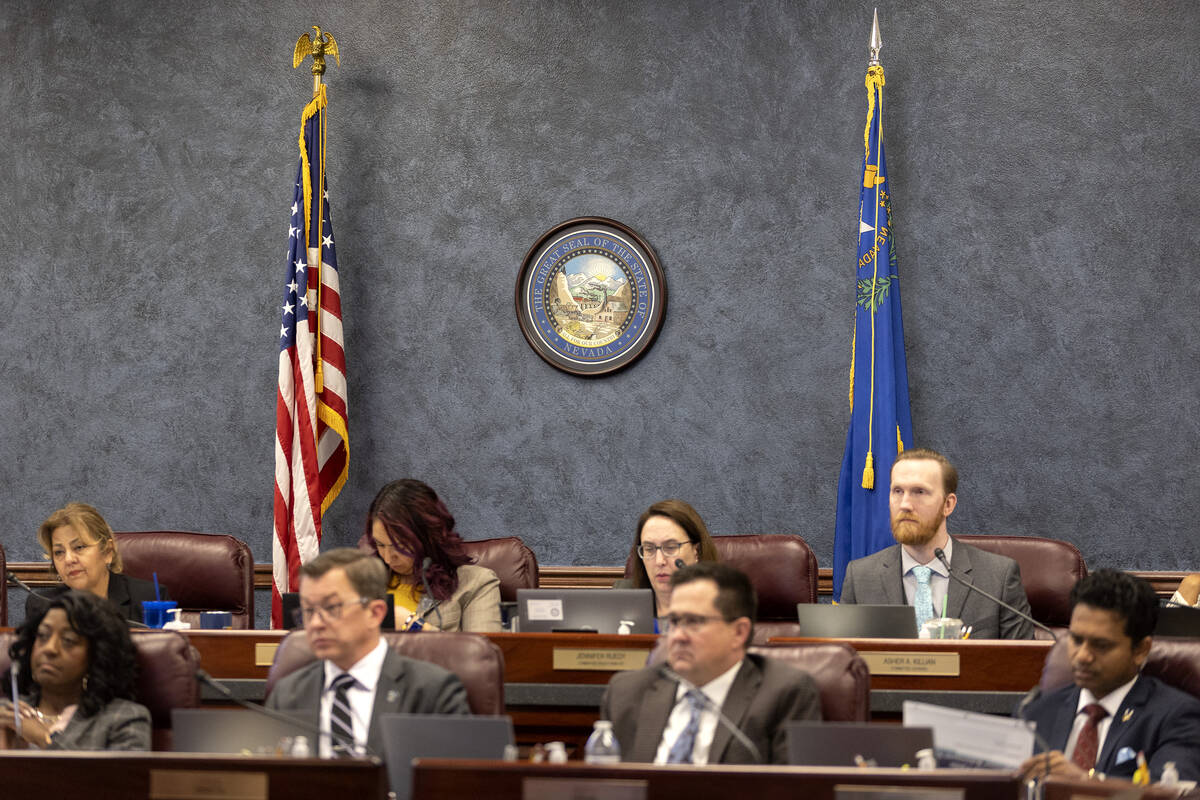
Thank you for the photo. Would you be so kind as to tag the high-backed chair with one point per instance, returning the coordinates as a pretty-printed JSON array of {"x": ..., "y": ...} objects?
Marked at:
[
  {"x": 477, "y": 662},
  {"x": 514, "y": 564},
  {"x": 1173, "y": 661},
  {"x": 3, "y": 589},
  {"x": 841, "y": 675},
  {"x": 167, "y": 665},
  {"x": 1050, "y": 568},
  {"x": 783, "y": 569},
  {"x": 203, "y": 571}
]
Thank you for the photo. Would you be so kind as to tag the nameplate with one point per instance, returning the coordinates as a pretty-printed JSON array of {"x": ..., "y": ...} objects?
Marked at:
[
  {"x": 616, "y": 660},
  {"x": 884, "y": 662},
  {"x": 264, "y": 653},
  {"x": 181, "y": 784},
  {"x": 582, "y": 789}
]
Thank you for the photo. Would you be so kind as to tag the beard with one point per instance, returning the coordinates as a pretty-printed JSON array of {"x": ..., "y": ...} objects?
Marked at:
[{"x": 910, "y": 530}]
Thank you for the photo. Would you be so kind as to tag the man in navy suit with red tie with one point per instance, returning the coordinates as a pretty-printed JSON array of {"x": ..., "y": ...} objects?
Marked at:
[{"x": 1111, "y": 712}]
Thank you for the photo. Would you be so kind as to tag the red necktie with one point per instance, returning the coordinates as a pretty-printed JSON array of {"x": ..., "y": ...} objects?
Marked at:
[{"x": 1088, "y": 742}]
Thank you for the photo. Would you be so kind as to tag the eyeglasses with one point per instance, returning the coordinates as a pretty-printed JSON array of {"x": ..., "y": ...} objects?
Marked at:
[
  {"x": 327, "y": 612},
  {"x": 649, "y": 551},
  {"x": 688, "y": 623}
]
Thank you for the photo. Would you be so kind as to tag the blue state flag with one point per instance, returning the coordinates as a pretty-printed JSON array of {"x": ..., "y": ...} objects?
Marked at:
[{"x": 880, "y": 416}]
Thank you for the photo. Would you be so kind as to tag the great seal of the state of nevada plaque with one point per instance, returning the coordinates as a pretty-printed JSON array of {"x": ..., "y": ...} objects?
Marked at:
[{"x": 590, "y": 296}]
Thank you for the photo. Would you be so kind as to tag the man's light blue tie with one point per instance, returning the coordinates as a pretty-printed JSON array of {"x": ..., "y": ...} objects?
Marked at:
[
  {"x": 923, "y": 602},
  {"x": 681, "y": 751}
]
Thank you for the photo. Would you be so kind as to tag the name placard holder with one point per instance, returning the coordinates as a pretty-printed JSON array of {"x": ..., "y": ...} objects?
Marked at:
[
  {"x": 582, "y": 789},
  {"x": 182, "y": 784},
  {"x": 264, "y": 653},
  {"x": 938, "y": 665},
  {"x": 606, "y": 660}
]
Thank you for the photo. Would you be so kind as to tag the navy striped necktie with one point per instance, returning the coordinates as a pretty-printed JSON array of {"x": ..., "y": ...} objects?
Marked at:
[{"x": 341, "y": 720}]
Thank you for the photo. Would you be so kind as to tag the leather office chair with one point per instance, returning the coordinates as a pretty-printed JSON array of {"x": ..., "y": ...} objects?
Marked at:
[
  {"x": 1050, "y": 568},
  {"x": 783, "y": 570},
  {"x": 1173, "y": 661},
  {"x": 166, "y": 679},
  {"x": 477, "y": 662},
  {"x": 514, "y": 564},
  {"x": 840, "y": 673},
  {"x": 203, "y": 571}
]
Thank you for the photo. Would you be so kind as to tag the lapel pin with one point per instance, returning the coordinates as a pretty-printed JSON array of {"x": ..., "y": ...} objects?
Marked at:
[
  {"x": 1126, "y": 716},
  {"x": 392, "y": 695}
]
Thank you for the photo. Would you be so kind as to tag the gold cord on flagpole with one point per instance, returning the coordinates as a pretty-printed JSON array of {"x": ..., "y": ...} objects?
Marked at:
[
  {"x": 874, "y": 81},
  {"x": 320, "y": 46}
]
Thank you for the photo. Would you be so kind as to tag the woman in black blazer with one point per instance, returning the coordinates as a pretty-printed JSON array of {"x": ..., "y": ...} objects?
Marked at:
[{"x": 83, "y": 555}]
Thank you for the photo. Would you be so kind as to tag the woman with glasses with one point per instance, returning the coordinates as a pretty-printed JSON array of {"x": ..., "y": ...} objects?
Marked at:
[
  {"x": 668, "y": 531},
  {"x": 83, "y": 555},
  {"x": 75, "y": 665},
  {"x": 410, "y": 529}
]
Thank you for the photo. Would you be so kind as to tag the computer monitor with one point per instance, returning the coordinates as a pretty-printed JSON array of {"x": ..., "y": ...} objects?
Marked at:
[
  {"x": 849, "y": 744},
  {"x": 410, "y": 736},
  {"x": 586, "y": 610},
  {"x": 852, "y": 621}
]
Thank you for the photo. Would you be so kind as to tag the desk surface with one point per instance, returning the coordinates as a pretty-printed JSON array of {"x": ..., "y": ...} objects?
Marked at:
[{"x": 497, "y": 780}]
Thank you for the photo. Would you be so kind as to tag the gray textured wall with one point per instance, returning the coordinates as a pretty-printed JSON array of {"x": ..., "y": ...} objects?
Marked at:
[{"x": 1040, "y": 154}]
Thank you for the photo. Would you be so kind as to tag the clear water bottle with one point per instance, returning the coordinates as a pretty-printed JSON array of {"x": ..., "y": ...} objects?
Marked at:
[
  {"x": 602, "y": 746},
  {"x": 1170, "y": 775}
]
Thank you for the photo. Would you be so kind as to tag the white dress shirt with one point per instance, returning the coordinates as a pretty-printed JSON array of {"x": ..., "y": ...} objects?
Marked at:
[
  {"x": 715, "y": 690},
  {"x": 361, "y": 696},
  {"x": 939, "y": 578},
  {"x": 1111, "y": 703}
]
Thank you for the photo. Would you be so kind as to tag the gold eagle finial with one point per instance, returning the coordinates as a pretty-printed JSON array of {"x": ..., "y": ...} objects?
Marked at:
[{"x": 322, "y": 45}]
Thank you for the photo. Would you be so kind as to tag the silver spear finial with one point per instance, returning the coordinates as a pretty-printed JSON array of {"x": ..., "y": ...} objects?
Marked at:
[{"x": 876, "y": 42}]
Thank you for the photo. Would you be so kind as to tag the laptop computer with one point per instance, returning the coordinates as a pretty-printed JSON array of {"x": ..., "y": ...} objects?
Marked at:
[
  {"x": 586, "y": 610},
  {"x": 857, "y": 621},
  {"x": 835, "y": 744},
  {"x": 290, "y": 603},
  {"x": 409, "y": 736},
  {"x": 1178, "y": 621},
  {"x": 233, "y": 730}
]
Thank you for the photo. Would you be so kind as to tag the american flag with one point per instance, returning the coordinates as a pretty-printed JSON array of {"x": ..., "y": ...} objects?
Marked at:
[{"x": 312, "y": 440}]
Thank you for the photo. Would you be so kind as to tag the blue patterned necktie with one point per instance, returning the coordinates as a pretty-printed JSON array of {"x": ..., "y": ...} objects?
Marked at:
[
  {"x": 681, "y": 751},
  {"x": 923, "y": 601},
  {"x": 341, "y": 726}
]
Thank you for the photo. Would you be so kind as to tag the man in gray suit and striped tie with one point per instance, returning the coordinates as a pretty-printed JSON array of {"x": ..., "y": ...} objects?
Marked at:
[
  {"x": 922, "y": 495},
  {"x": 358, "y": 677}
]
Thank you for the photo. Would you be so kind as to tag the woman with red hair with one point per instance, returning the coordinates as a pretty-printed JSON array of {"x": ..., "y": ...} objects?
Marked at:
[{"x": 411, "y": 531}]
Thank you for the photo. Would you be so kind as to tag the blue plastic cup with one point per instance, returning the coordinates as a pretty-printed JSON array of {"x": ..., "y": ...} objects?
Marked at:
[{"x": 154, "y": 612}]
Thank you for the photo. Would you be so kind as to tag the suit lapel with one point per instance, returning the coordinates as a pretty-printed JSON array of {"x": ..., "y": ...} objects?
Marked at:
[
  {"x": 652, "y": 719},
  {"x": 1127, "y": 718},
  {"x": 956, "y": 595},
  {"x": 1062, "y": 719},
  {"x": 736, "y": 705},
  {"x": 118, "y": 595},
  {"x": 891, "y": 577},
  {"x": 387, "y": 698}
]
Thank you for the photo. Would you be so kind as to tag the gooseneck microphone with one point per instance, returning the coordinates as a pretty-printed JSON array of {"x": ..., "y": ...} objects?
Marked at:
[
  {"x": 941, "y": 556},
  {"x": 1030, "y": 696},
  {"x": 40, "y": 601},
  {"x": 724, "y": 720},
  {"x": 425, "y": 582},
  {"x": 224, "y": 691},
  {"x": 679, "y": 563}
]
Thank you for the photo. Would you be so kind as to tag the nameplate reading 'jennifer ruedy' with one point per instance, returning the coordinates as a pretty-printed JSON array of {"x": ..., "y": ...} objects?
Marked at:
[
  {"x": 940, "y": 665},
  {"x": 606, "y": 660}
]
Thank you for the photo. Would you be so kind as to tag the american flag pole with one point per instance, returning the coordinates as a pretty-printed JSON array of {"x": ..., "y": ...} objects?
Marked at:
[{"x": 312, "y": 432}]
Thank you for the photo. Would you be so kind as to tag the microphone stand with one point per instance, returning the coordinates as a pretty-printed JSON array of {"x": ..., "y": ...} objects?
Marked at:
[
  {"x": 941, "y": 556},
  {"x": 425, "y": 582}
]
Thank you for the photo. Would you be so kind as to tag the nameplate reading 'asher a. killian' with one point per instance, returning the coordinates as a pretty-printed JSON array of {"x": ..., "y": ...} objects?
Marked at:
[
  {"x": 614, "y": 660},
  {"x": 885, "y": 662}
]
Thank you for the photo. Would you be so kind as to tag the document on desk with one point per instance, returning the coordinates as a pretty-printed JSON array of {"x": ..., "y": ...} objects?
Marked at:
[{"x": 969, "y": 739}]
